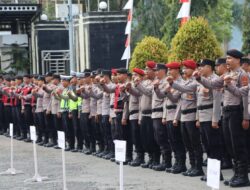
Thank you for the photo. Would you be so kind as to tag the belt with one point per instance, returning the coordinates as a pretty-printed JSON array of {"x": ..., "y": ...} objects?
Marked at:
[
  {"x": 146, "y": 112},
  {"x": 133, "y": 112},
  {"x": 157, "y": 110},
  {"x": 171, "y": 107},
  {"x": 193, "y": 110},
  {"x": 232, "y": 108},
  {"x": 204, "y": 107}
]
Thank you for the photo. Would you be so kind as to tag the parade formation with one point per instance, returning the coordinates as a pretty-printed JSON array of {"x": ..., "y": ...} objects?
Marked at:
[{"x": 174, "y": 112}]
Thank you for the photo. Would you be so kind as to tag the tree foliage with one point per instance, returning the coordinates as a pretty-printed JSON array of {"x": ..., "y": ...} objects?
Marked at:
[
  {"x": 150, "y": 48},
  {"x": 195, "y": 40},
  {"x": 19, "y": 58},
  {"x": 217, "y": 12},
  {"x": 246, "y": 27}
]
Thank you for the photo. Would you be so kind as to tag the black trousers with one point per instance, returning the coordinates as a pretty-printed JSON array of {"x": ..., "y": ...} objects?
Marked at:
[
  {"x": 234, "y": 134},
  {"x": 106, "y": 128},
  {"x": 49, "y": 128},
  {"x": 41, "y": 126},
  {"x": 213, "y": 139},
  {"x": 57, "y": 123},
  {"x": 68, "y": 129},
  {"x": 136, "y": 136},
  {"x": 176, "y": 141},
  {"x": 20, "y": 120},
  {"x": 7, "y": 117},
  {"x": 121, "y": 132},
  {"x": 87, "y": 130},
  {"x": 147, "y": 135},
  {"x": 191, "y": 138},
  {"x": 248, "y": 144},
  {"x": 77, "y": 131},
  {"x": 15, "y": 121},
  {"x": 161, "y": 137},
  {"x": 96, "y": 123},
  {"x": 1, "y": 116}
]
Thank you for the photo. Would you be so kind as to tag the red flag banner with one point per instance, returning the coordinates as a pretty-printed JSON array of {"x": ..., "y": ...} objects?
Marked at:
[{"x": 184, "y": 1}]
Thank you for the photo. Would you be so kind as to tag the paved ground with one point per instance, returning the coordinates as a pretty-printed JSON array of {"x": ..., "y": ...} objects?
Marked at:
[{"x": 85, "y": 172}]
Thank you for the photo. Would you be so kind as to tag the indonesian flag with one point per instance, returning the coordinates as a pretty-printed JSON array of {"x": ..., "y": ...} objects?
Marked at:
[
  {"x": 184, "y": 11},
  {"x": 126, "y": 55},
  {"x": 129, "y": 5},
  {"x": 129, "y": 23}
]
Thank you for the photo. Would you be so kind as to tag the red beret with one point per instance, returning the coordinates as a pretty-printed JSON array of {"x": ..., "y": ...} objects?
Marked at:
[
  {"x": 191, "y": 64},
  {"x": 151, "y": 64},
  {"x": 138, "y": 71},
  {"x": 114, "y": 71},
  {"x": 173, "y": 65}
]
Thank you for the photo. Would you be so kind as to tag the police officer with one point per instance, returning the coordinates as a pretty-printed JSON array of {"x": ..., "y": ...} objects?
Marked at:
[
  {"x": 187, "y": 109},
  {"x": 209, "y": 113},
  {"x": 147, "y": 132},
  {"x": 235, "y": 115},
  {"x": 134, "y": 100},
  {"x": 64, "y": 112},
  {"x": 174, "y": 129},
  {"x": 1, "y": 106},
  {"x": 54, "y": 107},
  {"x": 161, "y": 135}
]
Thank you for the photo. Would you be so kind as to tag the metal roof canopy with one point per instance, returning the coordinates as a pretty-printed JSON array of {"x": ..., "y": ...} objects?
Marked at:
[{"x": 10, "y": 13}]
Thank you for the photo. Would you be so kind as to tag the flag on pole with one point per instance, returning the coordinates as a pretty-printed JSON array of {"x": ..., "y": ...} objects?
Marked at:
[
  {"x": 127, "y": 53},
  {"x": 184, "y": 11},
  {"x": 129, "y": 5}
]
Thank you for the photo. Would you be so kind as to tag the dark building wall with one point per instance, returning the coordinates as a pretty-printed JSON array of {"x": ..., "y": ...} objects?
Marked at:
[{"x": 106, "y": 45}]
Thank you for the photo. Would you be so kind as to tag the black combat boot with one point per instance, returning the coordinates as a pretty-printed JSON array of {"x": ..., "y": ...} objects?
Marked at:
[
  {"x": 236, "y": 171},
  {"x": 181, "y": 167},
  {"x": 156, "y": 160},
  {"x": 150, "y": 161},
  {"x": 138, "y": 160},
  {"x": 198, "y": 171},
  {"x": 242, "y": 179},
  {"x": 166, "y": 163}
]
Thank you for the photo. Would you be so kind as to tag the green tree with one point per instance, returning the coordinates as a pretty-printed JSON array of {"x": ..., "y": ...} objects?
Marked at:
[
  {"x": 246, "y": 27},
  {"x": 217, "y": 12},
  {"x": 148, "y": 18},
  {"x": 220, "y": 19},
  {"x": 150, "y": 48},
  {"x": 19, "y": 58},
  {"x": 195, "y": 40}
]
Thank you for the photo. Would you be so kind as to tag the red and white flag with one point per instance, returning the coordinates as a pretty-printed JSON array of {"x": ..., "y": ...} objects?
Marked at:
[
  {"x": 184, "y": 11},
  {"x": 129, "y": 5},
  {"x": 127, "y": 53}
]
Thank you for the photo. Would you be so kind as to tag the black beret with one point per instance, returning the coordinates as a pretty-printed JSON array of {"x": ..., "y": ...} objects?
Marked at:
[
  {"x": 220, "y": 61},
  {"x": 86, "y": 70},
  {"x": 7, "y": 78},
  {"x": 87, "y": 74},
  {"x": 235, "y": 53},
  {"x": 99, "y": 71},
  {"x": 56, "y": 76},
  {"x": 49, "y": 74},
  {"x": 93, "y": 73},
  {"x": 27, "y": 76},
  {"x": 35, "y": 76},
  {"x": 209, "y": 62},
  {"x": 106, "y": 72},
  {"x": 245, "y": 60},
  {"x": 42, "y": 78},
  {"x": 19, "y": 78},
  {"x": 161, "y": 66},
  {"x": 122, "y": 71}
]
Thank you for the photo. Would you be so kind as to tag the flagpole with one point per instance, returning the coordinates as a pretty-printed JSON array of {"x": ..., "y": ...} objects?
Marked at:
[{"x": 127, "y": 52}]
